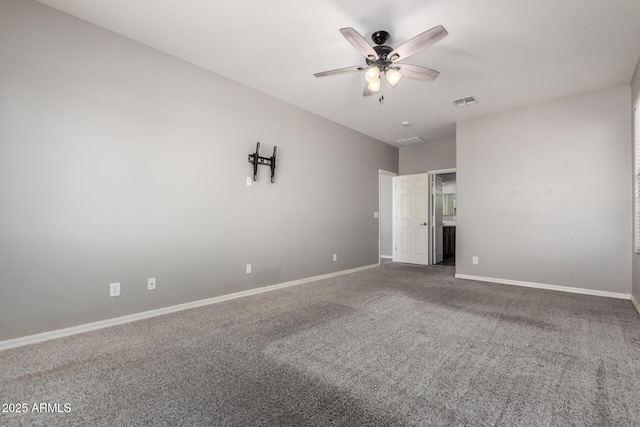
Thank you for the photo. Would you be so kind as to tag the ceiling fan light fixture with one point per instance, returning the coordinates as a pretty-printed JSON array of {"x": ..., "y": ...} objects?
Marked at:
[
  {"x": 372, "y": 75},
  {"x": 393, "y": 77},
  {"x": 374, "y": 86},
  {"x": 380, "y": 59}
]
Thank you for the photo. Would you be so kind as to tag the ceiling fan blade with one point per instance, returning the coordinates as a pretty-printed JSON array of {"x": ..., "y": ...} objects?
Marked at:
[
  {"x": 341, "y": 71},
  {"x": 416, "y": 72},
  {"x": 418, "y": 43},
  {"x": 359, "y": 43},
  {"x": 366, "y": 91}
]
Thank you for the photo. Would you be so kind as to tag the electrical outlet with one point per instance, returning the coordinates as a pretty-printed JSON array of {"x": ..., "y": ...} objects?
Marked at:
[
  {"x": 248, "y": 181},
  {"x": 248, "y": 268},
  {"x": 151, "y": 283},
  {"x": 335, "y": 257},
  {"x": 114, "y": 290},
  {"x": 376, "y": 215},
  {"x": 474, "y": 259}
]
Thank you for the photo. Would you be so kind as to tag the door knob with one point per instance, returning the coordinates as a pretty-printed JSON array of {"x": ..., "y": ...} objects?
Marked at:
[{"x": 423, "y": 224}]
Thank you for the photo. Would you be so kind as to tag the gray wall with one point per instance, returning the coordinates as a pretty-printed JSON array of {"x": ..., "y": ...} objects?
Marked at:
[
  {"x": 386, "y": 215},
  {"x": 543, "y": 193},
  {"x": 635, "y": 83},
  {"x": 635, "y": 94},
  {"x": 434, "y": 155},
  {"x": 119, "y": 163}
]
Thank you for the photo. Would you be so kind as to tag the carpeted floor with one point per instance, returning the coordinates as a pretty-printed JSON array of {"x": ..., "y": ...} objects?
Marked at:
[{"x": 392, "y": 346}]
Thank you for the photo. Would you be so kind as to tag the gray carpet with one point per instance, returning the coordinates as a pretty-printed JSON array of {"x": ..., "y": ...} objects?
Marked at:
[{"x": 392, "y": 346}]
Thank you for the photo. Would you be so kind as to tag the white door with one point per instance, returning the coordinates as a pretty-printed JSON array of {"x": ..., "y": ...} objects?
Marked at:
[
  {"x": 436, "y": 218},
  {"x": 410, "y": 219}
]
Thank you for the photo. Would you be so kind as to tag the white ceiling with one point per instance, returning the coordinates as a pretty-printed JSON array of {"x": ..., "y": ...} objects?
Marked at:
[{"x": 507, "y": 53}]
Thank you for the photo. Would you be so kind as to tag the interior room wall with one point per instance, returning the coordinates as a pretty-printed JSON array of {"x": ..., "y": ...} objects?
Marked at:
[
  {"x": 434, "y": 155},
  {"x": 635, "y": 83},
  {"x": 543, "y": 193},
  {"x": 119, "y": 163},
  {"x": 635, "y": 96}
]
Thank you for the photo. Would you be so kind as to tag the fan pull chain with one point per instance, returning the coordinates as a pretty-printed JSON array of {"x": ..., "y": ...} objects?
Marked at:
[{"x": 381, "y": 100}]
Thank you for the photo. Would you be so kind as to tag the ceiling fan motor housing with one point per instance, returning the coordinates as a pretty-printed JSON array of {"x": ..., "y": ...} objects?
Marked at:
[
  {"x": 380, "y": 37},
  {"x": 382, "y": 62}
]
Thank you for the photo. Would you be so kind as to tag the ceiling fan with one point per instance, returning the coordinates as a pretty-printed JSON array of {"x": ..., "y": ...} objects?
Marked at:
[{"x": 382, "y": 59}]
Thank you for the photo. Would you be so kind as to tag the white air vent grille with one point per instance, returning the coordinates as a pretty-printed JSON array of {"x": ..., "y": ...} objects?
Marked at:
[
  {"x": 463, "y": 102},
  {"x": 414, "y": 140}
]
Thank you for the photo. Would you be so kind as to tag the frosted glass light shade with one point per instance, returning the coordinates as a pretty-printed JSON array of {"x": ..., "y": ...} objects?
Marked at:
[
  {"x": 374, "y": 86},
  {"x": 393, "y": 77},
  {"x": 372, "y": 74}
]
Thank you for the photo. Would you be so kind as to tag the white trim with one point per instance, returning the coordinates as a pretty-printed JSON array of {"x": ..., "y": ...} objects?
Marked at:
[
  {"x": 545, "y": 286},
  {"x": 45, "y": 336},
  {"x": 386, "y": 256},
  {"x": 443, "y": 171},
  {"x": 387, "y": 173},
  {"x": 635, "y": 303}
]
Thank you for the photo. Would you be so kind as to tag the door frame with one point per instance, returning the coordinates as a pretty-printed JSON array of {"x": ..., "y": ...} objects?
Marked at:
[
  {"x": 382, "y": 172},
  {"x": 431, "y": 207}
]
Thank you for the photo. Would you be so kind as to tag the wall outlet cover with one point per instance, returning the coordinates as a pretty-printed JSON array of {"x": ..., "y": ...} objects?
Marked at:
[
  {"x": 114, "y": 290},
  {"x": 248, "y": 268},
  {"x": 335, "y": 257},
  {"x": 151, "y": 283}
]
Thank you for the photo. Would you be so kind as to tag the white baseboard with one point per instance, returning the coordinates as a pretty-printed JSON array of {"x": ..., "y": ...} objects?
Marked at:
[
  {"x": 545, "y": 286},
  {"x": 45, "y": 336},
  {"x": 635, "y": 303},
  {"x": 386, "y": 256}
]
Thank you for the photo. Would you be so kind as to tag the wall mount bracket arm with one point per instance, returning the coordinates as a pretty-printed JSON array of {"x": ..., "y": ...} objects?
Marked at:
[{"x": 256, "y": 159}]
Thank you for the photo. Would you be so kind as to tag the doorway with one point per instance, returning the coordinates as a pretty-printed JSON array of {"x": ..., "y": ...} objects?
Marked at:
[
  {"x": 443, "y": 214},
  {"x": 385, "y": 215},
  {"x": 435, "y": 231}
]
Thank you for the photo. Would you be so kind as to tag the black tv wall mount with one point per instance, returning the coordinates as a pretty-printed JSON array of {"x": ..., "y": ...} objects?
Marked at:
[{"x": 256, "y": 159}]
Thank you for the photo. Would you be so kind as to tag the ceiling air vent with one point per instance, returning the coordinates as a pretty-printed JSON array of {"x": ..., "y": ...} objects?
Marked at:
[
  {"x": 463, "y": 102},
  {"x": 408, "y": 142}
]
